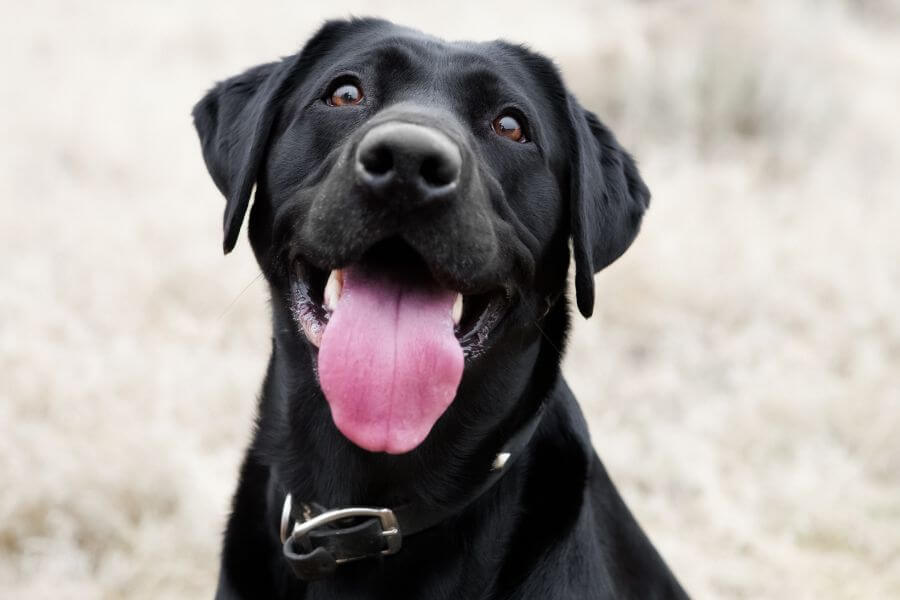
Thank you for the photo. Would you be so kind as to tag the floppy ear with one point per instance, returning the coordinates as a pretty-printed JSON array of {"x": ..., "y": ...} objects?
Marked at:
[
  {"x": 234, "y": 120},
  {"x": 607, "y": 201}
]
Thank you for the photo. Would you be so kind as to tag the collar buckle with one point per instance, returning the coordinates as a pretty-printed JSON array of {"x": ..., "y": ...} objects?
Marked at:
[{"x": 314, "y": 550}]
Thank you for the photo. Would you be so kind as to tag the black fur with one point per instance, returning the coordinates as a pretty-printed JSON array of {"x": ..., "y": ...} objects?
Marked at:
[{"x": 554, "y": 526}]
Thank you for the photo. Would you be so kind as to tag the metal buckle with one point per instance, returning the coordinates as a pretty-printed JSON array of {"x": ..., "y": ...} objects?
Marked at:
[{"x": 389, "y": 525}]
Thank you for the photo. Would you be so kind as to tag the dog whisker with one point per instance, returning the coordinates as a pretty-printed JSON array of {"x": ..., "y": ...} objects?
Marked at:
[{"x": 231, "y": 304}]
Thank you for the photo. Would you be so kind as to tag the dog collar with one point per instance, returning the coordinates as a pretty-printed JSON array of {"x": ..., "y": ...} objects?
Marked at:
[{"x": 316, "y": 540}]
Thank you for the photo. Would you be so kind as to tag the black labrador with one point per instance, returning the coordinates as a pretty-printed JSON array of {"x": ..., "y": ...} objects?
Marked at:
[{"x": 414, "y": 205}]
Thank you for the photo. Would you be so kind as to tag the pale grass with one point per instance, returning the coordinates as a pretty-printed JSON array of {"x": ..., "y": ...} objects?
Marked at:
[{"x": 740, "y": 374}]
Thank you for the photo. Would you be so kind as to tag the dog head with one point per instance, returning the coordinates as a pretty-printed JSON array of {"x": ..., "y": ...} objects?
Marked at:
[{"x": 414, "y": 204}]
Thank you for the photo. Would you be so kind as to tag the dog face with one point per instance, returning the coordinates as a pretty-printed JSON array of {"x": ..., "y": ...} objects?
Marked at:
[{"x": 415, "y": 200}]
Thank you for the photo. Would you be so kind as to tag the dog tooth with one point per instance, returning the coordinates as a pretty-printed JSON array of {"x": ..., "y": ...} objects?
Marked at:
[
  {"x": 456, "y": 311},
  {"x": 333, "y": 289}
]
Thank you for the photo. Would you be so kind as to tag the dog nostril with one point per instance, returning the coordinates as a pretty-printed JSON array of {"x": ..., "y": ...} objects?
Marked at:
[
  {"x": 438, "y": 172},
  {"x": 378, "y": 160},
  {"x": 408, "y": 161}
]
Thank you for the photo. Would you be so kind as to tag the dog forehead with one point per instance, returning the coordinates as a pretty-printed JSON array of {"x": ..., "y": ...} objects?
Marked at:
[{"x": 409, "y": 57}]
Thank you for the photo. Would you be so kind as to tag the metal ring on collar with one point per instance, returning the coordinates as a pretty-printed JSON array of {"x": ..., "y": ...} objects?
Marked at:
[{"x": 389, "y": 525}]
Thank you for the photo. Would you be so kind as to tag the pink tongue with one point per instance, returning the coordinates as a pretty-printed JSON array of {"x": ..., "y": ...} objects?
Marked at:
[{"x": 389, "y": 362}]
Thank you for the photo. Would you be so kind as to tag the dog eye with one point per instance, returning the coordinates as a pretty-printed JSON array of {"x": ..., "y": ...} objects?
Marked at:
[
  {"x": 345, "y": 94},
  {"x": 507, "y": 126}
]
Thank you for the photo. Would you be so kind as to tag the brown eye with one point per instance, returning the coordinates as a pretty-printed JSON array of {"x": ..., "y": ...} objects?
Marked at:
[
  {"x": 509, "y": 127},
  {"x": 345, "y": 95}
]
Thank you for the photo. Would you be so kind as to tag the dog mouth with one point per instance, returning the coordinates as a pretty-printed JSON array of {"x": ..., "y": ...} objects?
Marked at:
[
  {"x": 315, "y": 294},
  {"x": 392, "y": 342}
]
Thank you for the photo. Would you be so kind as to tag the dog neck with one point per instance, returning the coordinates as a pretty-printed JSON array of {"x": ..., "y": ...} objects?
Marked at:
[{"x": 298, "y": 450}]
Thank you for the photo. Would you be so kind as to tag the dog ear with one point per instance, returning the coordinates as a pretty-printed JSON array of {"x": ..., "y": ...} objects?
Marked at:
[
  {"x": 607, "y": 201},
  {"x": 234, "y": 120}
]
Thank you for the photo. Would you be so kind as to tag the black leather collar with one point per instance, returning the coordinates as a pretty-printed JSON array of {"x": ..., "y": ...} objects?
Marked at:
[{"x": 316, "y": 540}]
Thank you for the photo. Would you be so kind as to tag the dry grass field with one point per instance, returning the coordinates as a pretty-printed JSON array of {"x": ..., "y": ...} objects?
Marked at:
[{"x": 741, "y": 374}]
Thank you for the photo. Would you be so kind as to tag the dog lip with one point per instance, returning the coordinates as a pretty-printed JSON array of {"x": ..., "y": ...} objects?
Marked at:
[
  {"x": 308, "y": 313},
  {"x": 474, "y": 339}
]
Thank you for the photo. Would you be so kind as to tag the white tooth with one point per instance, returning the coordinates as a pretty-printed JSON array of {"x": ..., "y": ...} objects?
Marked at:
[
  {"x": 456, "y": 312},
  {"x": 333, "y": 290}
]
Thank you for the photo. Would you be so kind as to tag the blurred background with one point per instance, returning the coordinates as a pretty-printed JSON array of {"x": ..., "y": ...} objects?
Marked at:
[{"x": 741, "y": 374}]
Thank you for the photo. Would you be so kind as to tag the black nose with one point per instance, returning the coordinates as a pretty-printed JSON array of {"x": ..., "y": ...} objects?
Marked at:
[{"x": 408, "y": 162}]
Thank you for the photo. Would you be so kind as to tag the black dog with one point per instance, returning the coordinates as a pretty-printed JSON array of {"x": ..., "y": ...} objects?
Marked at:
[{"x": 415, "y": 201}]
